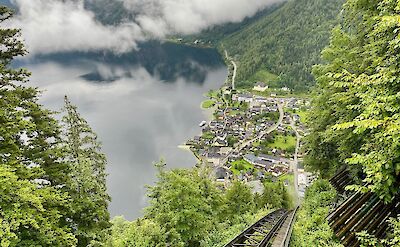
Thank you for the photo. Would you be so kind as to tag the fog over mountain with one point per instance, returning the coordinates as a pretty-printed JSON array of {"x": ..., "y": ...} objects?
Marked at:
[{"x": 73, "y": 26}]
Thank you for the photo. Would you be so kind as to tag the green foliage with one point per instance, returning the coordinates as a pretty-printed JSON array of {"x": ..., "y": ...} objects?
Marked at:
[
  {"x": 241, "y": 166},
  {"x": 286, "y": 42},
  {"x": 188, "y": 209},
  {"x": 286, "y": 143},
  {"x": 29, "y": 213},
  {"x": 139, "y": 233},
  {"x": 275, "y": 196},
  {"x": 87, "y": 182},
  {"x": 207, "y": 104},
  {"x": 392, "y": 239},
  {"x": 311, "y": 227},
  {"x": 270, "y": 79},
  {"x": 355, "y": 115},
  {"x": 187, "y": 204},
  {"x": 31, "y": 167},
  {"x": 239, "y": 200}
]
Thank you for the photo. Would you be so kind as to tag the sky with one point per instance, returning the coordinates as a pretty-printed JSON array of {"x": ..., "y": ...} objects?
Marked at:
[{"x": 51, "y": 26}]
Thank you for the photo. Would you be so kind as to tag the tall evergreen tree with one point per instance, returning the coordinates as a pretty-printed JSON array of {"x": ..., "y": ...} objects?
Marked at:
[
  {"x": 87, "y": 184},
  {"x": 32, "y": 206},
  {"x": 356, "y": 115}
]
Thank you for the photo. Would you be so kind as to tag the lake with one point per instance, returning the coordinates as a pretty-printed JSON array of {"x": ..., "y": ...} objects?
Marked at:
[{"x": 142, "y": 104}]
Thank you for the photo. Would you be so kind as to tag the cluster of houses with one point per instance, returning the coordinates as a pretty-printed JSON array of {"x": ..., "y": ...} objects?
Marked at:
[
  {"x": 272, "y": 164},
  {"x": 233, "y": 126}
]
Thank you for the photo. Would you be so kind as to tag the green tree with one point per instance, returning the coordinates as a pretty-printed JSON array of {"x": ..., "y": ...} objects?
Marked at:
[
  {"x": 29, "y": 214},
  {"x": 32, "y": 206},
  {"x": 87, "y": 183},
  {"x": 239, "y": 200},
  {"x": 275, "y": 195},
  {"x": 311, "y": 227},
  {"x": 186, "y": 203},
  {"x": 139, "y": 233},
  {"x": 356, "y": 115}
]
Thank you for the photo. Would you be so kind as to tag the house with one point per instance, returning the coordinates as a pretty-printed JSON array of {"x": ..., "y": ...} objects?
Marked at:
[
  {"x": 260, "y": 86},
  {"x": 296, "y": 118},
  {"x": 214, "y": 158},
  {"x": 260, "y": 99},
  {"x": 220, "y": 143},
  {"x": 221, "y": 173},
  {"x": 248, "y": 98}
]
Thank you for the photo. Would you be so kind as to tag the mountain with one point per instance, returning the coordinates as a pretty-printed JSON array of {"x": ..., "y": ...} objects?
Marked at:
[
  {"x": 109, "y": 12},
  {"x": 286, "y": 42}
]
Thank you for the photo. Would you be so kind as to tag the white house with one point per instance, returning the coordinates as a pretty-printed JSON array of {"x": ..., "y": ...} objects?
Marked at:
[
  {"x": 245, "y": 98},
  {"x": 260, "y": 86}
]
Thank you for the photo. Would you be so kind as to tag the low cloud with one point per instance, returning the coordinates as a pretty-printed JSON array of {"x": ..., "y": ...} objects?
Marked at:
[
  {"x": 191, "y": 16},
  {"x": 58, "y": 26}
]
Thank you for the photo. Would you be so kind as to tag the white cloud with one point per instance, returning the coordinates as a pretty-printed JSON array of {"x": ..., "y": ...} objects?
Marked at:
[
  {"x": 191, "y": 16},
  {"x": 55, "y": 25}
]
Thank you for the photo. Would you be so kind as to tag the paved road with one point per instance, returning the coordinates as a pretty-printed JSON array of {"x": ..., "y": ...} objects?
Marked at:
[
  {"x": 234, "y": 68},
  {"x": 295, "y": 163},
  {"x": 234, "y": 74},
  {"x": 260, "y": 135}
]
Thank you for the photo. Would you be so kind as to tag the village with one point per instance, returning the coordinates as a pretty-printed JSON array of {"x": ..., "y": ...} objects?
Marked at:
[{"x": 251, "y": 136}]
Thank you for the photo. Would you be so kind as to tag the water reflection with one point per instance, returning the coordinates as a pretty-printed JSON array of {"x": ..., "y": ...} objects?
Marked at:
[{"x": 138, "y": 116}]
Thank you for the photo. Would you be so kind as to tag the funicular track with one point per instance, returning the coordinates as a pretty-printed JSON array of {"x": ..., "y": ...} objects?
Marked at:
[
  {"x": 263, "y": 232},
  {"x": 359, "y": 212}
]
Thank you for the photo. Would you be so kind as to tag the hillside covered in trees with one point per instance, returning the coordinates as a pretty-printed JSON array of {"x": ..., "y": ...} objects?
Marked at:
[{"x": 286, "y": 42}]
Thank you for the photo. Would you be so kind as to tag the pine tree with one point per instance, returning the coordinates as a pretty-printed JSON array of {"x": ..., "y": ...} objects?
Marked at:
[
  {"x": 32, "y": 205},
  {"x": 87, "y": 187}
]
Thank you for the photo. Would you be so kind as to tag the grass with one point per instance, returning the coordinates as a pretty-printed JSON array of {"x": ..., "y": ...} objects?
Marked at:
[
  {"x": 208, "y": 136},
  {"x": 265, "y": 76},
  {"x": 284, "y": 143},
  {"x": 302, "y": 115},
  {"x": 207, "y": 104},
  {"x": 241, "y": 166},
  {"x": 212, "y": 94}
]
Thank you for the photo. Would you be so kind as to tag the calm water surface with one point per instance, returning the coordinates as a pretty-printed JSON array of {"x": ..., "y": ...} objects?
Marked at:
[{"x": 142, "y": 105}]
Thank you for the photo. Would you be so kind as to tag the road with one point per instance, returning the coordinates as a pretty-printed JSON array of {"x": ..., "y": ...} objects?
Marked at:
[
  {"x": 234, "y": 69},
  {"x": 295, "y": 163},
  {"x": 260, "y": 135}
]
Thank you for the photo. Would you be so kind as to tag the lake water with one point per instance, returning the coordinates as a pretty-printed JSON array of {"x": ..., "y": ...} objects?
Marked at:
[{"x": 141, "y": 104}]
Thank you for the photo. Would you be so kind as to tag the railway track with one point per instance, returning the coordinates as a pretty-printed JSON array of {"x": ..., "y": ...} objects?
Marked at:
[
  {"x": 263, "y": 232},
  {"x": 359, "y": 212}
]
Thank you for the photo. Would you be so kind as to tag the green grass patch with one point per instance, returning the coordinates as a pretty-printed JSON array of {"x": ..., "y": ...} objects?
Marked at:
[
  {"x": 302, "y": 115},
  {"x": 241, "y": 166},
  {"x": 212, "y": 94},
  {"x": 267, "y": 77},
  {"x": 208, "y": 136},
  {"x": 286, "y": 143},
  {"x": 207, "y": 104}
]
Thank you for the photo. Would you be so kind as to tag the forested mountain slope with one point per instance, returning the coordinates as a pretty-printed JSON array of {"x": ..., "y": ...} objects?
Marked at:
[{"x": 286, "y": 42}]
